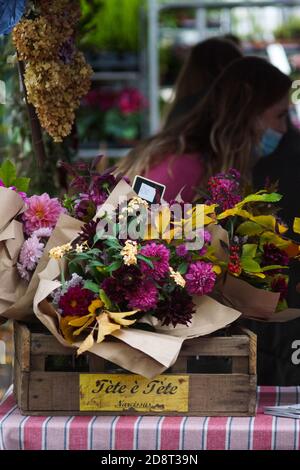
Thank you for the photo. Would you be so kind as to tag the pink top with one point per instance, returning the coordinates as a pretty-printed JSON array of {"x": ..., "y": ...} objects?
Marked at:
[{"x": 176, "y": 172}]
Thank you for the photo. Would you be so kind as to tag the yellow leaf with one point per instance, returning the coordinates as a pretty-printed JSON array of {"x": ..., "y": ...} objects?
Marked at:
[
  {"x": 86, "y": 325},
  {"x": 118, "y": 317},
  {"x": 87, "y": 344},
  {"x": 234, "y": 211},
  {"x": 79, "y": 321},
  {"x": 267, "y": 221},
  {"x": 260, "y": 275},
  {"x": 95, "y": 305},
  {"x": 105, "y": 325},
  {"x": 270, "y": 237},
  {"x": 217, "y": 269},
  {"x": 296, "y": 226},
  {"x": 66, "y": 329}
]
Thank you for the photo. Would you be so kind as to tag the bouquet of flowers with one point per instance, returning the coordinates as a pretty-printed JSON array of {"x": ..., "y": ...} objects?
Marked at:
[
  {"x": 47, "y": 221},
  {"x": 257, "y": 249},
  {"x": 114, "y": 282},
  {"x": 118, "y": 284}
]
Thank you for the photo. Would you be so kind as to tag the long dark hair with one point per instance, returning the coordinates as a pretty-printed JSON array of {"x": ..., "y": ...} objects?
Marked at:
[{"x": 223, "y": 126}]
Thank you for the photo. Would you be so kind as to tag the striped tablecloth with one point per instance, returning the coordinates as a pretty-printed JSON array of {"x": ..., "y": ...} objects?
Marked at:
[{"x": 153, "y": 433}]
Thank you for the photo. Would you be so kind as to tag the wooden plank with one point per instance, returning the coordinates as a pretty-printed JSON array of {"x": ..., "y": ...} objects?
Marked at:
[
  {"x": 53, "y": 391},
  {"x": 252, "y": 350},
  {"x": 21, "y": 384},
  {"x": 96, "y": 363},
  {"x": 57, "y": 393},
  {"x": 252, "y": 395},
  {"x": 240, "y": 365},
  {"x": 22, "y": 345},
  {"x": 210, "y": 395},
  {"x": 48, "y": 345},
  {"x": 37, "y": 363},
  {"x": 216, "y": 346},
  {"x": 180, "y": 365}
]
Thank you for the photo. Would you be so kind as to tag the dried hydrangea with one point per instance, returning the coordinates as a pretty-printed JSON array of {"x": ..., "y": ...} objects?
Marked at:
[
  {"x": 57, "y": 76},
  {"x": 37, "y": 40}
]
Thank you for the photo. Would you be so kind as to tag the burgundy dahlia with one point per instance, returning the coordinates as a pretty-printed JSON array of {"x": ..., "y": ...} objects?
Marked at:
[
  {"x": 124, "y": 281},
  {"x": 280, "y": 285},
  {"x": 75, "y": 301},
  {"x": 176, "y": 309},
  {"x": 272, "y": 255}
]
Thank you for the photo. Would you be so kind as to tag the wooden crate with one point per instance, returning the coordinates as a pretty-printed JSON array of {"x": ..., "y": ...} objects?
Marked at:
[{"x": 42, "y": 388}]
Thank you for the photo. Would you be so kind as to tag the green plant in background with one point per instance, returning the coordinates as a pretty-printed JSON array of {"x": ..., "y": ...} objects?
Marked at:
[
  {"x": 122, "y": 127},
  {"x": 110, "y": 25},
  {"x": 8, "y": 176},
  {"x": 289, "y": 30}
]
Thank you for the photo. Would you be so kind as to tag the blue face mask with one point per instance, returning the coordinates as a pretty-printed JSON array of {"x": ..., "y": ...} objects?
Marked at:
[{"x": 269, "y": 142}]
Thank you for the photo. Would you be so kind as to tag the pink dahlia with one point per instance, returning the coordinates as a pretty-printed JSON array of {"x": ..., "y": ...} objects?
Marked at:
[
  {"x": 75, "y": 301},
  {"x": 42, "y": 212},
  {"x": 145, "y": 297},
  {"x": 200, "y": 278},
  {"x": 30, "y": 253},
  {"x": 160, "y": 263}
]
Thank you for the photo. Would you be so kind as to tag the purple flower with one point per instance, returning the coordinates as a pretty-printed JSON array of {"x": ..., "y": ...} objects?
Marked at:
[
  {"x": 145, "y": 297},
  {"x": 181, "y": 250},
  {"x": 44, "y": 232},
  {"x": 273, "y": 255},
  {"x": 200, "y": 278},
  {"x": 23, "y": 272},
  {"x": 124, "y": 281},
  {"x": 178, "y": 308},
  {"x": 224, "y": 189},
  {"x": 87, "y": 203},
  {"x": 30, "y": 253},
  {"x": 160, "y": 264}
]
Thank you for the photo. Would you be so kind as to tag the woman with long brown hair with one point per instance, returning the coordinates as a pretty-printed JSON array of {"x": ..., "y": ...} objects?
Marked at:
[
  {"x": 204, "y": 63},
  {"x": 225, "y": 130}
]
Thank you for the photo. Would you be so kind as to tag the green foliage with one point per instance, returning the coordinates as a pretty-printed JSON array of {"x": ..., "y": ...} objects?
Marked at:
[
  {"x": 289, "y": 30},
  {"x": 249, "y": 228},
  {"x": 8, "y": 175},
  {"x": 111, "y": 25}
]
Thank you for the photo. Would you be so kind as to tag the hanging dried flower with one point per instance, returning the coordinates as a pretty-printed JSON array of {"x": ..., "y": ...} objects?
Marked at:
[{"x": 57, "y": 76}]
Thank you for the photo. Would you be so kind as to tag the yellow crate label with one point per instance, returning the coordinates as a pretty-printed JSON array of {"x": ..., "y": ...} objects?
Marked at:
[{"x": 111, "y": 392}]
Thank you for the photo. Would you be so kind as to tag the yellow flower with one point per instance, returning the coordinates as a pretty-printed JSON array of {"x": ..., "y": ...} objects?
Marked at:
[
  {"x": 129, "y": 252},
  {"x": 58, "y": 252},
  {"x": 95, "y": 305}
]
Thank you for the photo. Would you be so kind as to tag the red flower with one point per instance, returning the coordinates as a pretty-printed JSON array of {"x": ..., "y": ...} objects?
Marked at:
[{"x": 75, "y": 301}]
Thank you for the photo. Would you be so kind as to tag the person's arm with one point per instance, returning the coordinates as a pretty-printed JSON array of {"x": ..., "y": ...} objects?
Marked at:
[{"x": 177, "y": 173}]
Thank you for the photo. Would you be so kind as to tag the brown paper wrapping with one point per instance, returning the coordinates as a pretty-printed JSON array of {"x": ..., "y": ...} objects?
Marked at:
[
  {"x": 253, "y": 302},
  {"x": 138, "y": 351},
  {"x": 12, "y": 287},
  {"x": 219, "y": 235},
  {"x": 66, "y": 229},
  {"x": 122, "y": 190}
]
